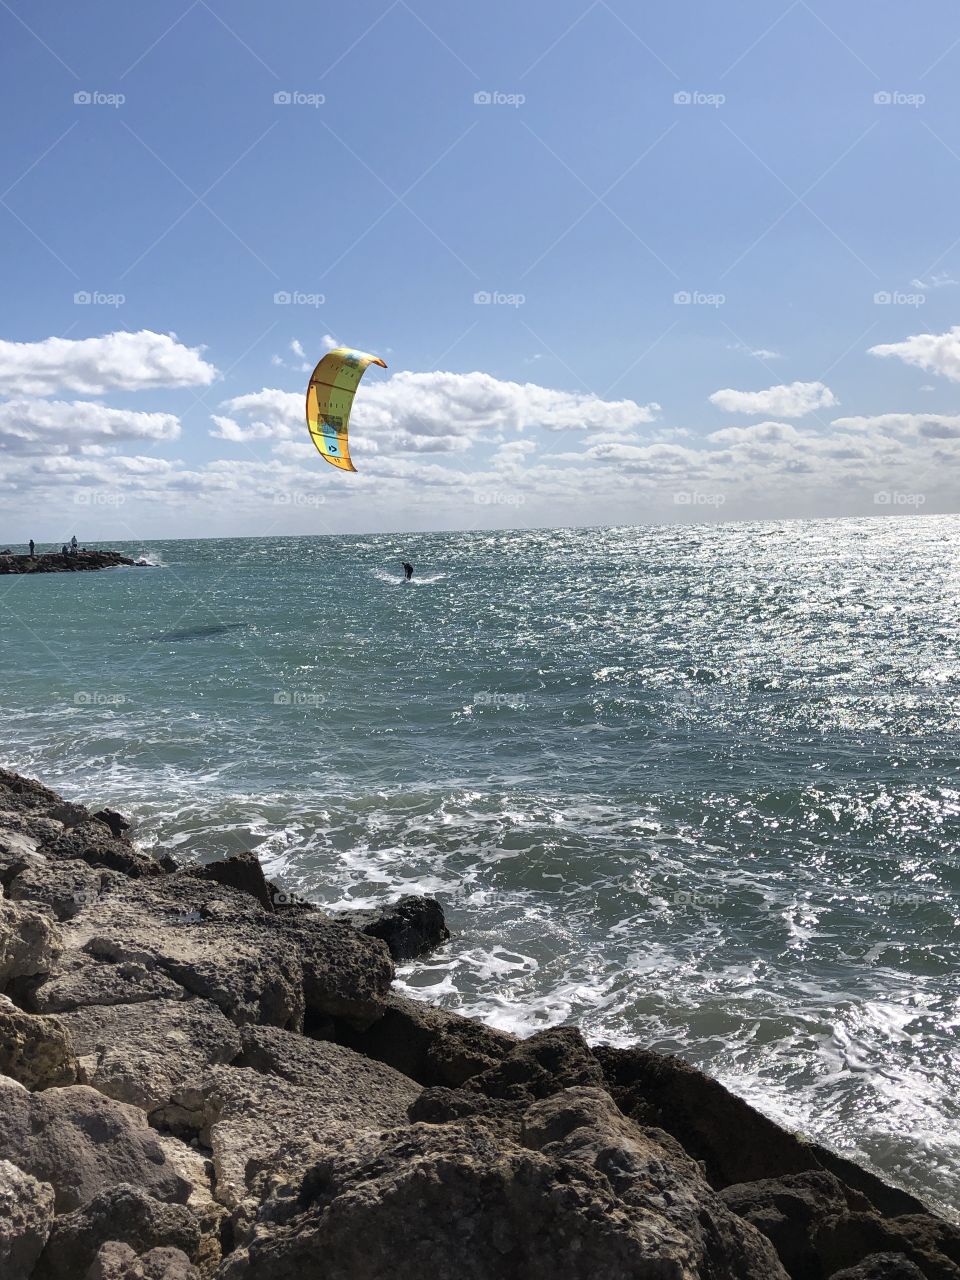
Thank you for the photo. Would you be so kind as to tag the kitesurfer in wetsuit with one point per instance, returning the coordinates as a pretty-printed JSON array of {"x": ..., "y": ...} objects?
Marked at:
[{"x": 407, "y": 570}]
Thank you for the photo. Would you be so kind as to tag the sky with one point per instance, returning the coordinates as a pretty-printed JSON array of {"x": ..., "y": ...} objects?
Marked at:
[{"x": 627, "y": 263}]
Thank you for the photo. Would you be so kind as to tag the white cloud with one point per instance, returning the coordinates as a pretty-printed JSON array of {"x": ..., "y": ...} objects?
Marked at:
[
  {"x": 759, "y": 353},
  {"x": 935, "y": 352},
  {"x": 791, "y": 400},
  {"x": 929, "y": 426},
  {"x": 121, "y": 361},
  {"x": 297, "y": 349},
  {"x": 435, "y": 412},
  {"x": 763, "y": 433},
  {"x": 34, "y": 426}
]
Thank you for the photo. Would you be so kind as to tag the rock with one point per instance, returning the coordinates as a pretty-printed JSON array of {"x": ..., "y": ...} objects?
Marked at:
[
  {"x": 17, "y": 852},
  {"x": 735, "y": 1142},
  {"x": 242, "y": 872},
  {"x": 29, "y": 943},
  {"x": 60, "y": 889},
  {"x": 56, "y": 562},
  {"x": 881, "y": 1266},
  {"x": 928, "y": 1242},
  {"x": 117, "y": 1261},
  {"x": 35, "y": 1051},
  {"x": 26, "y": 1212},
  {"x": 587, "y": 1195},
  {"x": 295, "y": 1097},
  {"x": 551, "y": 1060},
  {"x": 410, "y": 927},
  {"x": 81, "y": 980},
  {"x": 153, "y": 1054},
  {"x": 123, "y": 1214},
  {"x": 117, "y": 823},
  {"x": 787, "y": 1210},
  {"x": 432, "y": 1046},
  {"x": 80, "y": 1142},
  {"x": 346, "y": 975}
]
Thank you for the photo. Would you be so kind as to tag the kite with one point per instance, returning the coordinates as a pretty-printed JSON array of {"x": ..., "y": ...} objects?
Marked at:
[{"x": 333, "y": 384}]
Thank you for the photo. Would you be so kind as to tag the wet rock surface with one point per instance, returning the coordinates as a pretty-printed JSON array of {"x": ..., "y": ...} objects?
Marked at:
[
  {"x": 57, "y": 562},
  {"x": 203, "y": 1078}
]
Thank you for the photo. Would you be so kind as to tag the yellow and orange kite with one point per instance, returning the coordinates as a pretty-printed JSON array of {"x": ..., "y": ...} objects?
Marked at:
[{"x": 333, "y": 384}]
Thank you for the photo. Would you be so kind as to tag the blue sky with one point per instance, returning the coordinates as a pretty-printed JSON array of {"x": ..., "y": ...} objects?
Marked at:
[{"x": 792, "y": 169}]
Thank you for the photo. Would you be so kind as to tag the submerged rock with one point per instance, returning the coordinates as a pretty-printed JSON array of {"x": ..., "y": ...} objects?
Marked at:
[{"x": 410, "y": 926}]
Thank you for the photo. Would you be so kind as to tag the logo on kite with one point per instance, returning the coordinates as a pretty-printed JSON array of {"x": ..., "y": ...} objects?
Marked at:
[{"x": 333, "y": 385}]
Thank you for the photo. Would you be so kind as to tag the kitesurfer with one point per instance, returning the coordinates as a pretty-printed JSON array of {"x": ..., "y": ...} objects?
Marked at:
[{"x": 407, "y": 570}]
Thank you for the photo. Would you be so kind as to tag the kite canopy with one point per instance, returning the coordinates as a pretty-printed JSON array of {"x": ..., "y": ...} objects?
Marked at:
[{"x": 333, "y": 384}]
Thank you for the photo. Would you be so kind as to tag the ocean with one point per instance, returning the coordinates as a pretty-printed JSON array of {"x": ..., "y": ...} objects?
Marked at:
[{"x": 694, "y": 787}]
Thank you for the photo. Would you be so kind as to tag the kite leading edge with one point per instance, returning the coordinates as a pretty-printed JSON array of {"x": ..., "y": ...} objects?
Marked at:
[{"x": 333, "y": 384}]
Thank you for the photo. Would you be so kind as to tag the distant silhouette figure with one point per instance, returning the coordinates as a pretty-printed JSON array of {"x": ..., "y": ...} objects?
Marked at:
[
  {"x": 407, "y": 570},
  {"x": 63, "y": 550},
  {"x": 73, "y": 544},
  {"x": 32, "y": 545}
]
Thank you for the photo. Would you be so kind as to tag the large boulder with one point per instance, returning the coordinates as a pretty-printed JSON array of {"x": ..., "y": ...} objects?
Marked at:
[
  {"x": 433, "y": 1046},
  {"x": 585, "y": 1195},
  {"x": 120, "y": 1213},
  {"x": 735, "y": 1142},
  {"x": 60, "y": 889},
  {"x": 242, "y": 871},
  {"x": 80, "y": 1142},
  {"x": 930, "y": 1243},
  {"x": 547, "y": 1062},
  {"x": 294, "y": 1098},
  {"x": 410, "y": 927},
  {"x": 35, "y": 1051},
  {"x": 153, "y": 1054},
  {"x": 881, "y": 1266},
  {"x": 117, "y": 1261},
  {"x": 29, "y": 943},
  {"x": 26, "y": 1214},
  {"x": 81, "y": 979}
]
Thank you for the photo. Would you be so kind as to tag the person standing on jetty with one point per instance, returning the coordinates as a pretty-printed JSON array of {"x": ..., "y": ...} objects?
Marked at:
[
  {"x": 31, "y": 544},
  {"x": 73, "y": 545}
]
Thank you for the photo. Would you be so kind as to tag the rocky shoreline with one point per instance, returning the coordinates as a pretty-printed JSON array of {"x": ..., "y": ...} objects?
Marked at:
[
  {"x": 201, "y": 1077},
  {"x": 57, "y": 562}
]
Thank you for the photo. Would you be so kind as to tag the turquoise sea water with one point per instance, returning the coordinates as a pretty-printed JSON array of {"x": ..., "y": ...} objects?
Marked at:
[{"x": 696, "y": 787}]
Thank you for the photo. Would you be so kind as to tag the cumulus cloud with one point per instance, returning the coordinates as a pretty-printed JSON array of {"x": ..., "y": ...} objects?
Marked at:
[
  {"x": 929, "y": 426},
  {"x": 791, "y": 400},
  {"x": 436, "y": 412},
  {"x": 92, "y": 366},
  {"x": 935, "y": 352},
  {"x": 33, "y": 426}
]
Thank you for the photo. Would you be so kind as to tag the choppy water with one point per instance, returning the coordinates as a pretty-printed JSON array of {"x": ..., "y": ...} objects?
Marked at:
[{"x": 696, "y": 787}]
